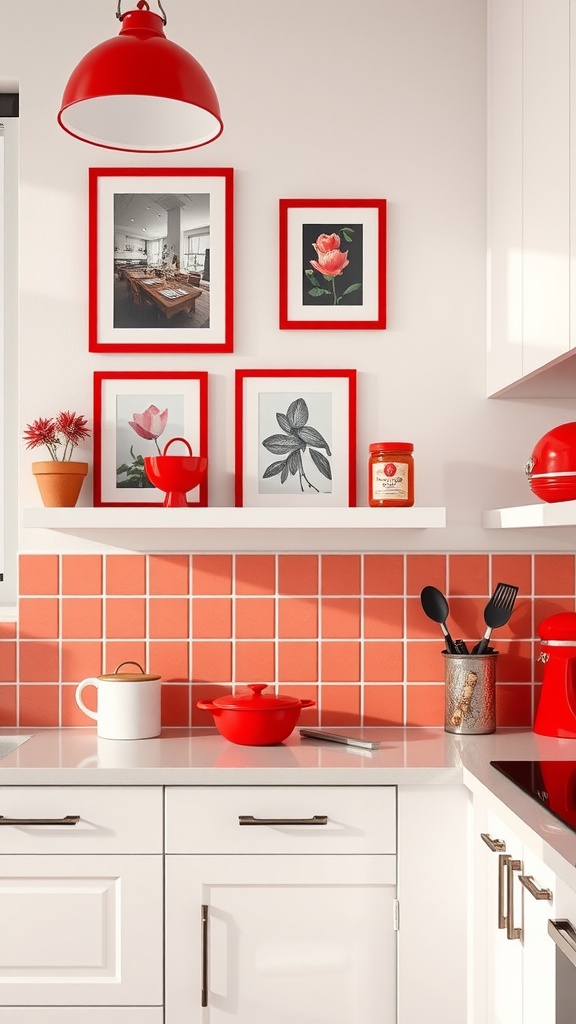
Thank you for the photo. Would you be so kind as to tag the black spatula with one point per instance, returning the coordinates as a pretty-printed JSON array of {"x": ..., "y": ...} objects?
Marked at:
[{"x": 497, "y": 612}]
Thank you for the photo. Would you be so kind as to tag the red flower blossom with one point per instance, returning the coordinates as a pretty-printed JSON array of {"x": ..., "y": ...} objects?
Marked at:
[
  {"x": 331, "y": 263},
  {"x": 66, "y": 428},
  {"x": 150, "y": 423},
  {"x": 326, "y": 243},
  {"x": 74, "y": 428}
]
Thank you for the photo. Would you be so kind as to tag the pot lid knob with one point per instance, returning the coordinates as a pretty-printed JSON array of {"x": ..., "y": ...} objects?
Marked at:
[{"x": 257, "y": 688}]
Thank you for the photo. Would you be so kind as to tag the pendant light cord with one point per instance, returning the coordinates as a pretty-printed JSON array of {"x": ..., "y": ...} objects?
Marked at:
[{"x": 141, "y": 4}]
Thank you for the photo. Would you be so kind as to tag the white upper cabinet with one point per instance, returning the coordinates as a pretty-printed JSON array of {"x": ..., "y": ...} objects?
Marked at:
[{"x": 529, "y": 179}]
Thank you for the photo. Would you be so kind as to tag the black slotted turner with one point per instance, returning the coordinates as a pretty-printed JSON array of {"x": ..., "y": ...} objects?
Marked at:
[{"x": 497, "y": 612}]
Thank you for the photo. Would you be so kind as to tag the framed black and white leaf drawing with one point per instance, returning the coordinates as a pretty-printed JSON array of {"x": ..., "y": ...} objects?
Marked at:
[{"x": 295, "y": 438}]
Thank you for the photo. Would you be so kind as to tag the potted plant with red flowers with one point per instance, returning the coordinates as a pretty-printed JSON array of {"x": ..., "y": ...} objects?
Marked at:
[{"x": 60, "y": 478}]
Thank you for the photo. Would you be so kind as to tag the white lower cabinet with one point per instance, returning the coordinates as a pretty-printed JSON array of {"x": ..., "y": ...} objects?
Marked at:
[
  {"x": 81, "y": 928},
  {"x": 517, "y": 964},
  {"x": 289, "y": 936}
]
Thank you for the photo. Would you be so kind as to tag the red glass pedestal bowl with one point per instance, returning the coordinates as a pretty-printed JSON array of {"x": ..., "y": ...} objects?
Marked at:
[{"x": 175, "y": 474}]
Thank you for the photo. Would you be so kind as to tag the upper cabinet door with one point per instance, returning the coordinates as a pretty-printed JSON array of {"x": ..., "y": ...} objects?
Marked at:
[
  {"x": 546, "y": 182},
  {"x": 529, "y": 230},
  {"x": 504, "y": 193}
]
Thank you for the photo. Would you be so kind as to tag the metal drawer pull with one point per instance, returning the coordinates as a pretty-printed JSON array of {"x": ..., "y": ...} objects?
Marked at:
[
  {"x": 565, "y": 938},
  {"x": 538, "y": 894},
  {"x": 249, "y": 819},
  {"x": 511, "y": 931},
  {"x": 493, "y": 844},
  {"x": 70, "y": 819},
  {"x": 204, "y": 925},
  {"x": 502, "y": 868}
]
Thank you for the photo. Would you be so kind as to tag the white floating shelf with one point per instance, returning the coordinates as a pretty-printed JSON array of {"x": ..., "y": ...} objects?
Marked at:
[
  {"x": 241, "y": 529},
  {"x": 68, "y": 519},
  {"x": 559, "y": 513}
]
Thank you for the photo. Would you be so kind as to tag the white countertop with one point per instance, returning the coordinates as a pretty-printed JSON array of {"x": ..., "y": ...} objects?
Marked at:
[{"x": 202, "y": 757}]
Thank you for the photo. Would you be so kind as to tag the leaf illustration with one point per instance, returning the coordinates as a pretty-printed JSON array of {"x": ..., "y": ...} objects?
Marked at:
[
  {"x": 311, "y": 278},
  {"x": 297, "y": 413},
  {"x": 352, "y": 288},
  {"x": 283, "y": 423},
  {"x": 321, "y": 463},
  {"x": 293, "y": 462},
  {"x": 313, "y": 437},
  {"x": 347, "y": 234},
  {"x": 273, "y": 469},
  {"x": 315, "y": 292},
  {"x": 280, "y": 445},
  {"x": 284, "y": 474},
  {"x": 123, "y": 468}
]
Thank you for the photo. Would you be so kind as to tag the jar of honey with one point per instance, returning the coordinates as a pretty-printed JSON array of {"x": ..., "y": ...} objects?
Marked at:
[{"x": 391, "y": 475}]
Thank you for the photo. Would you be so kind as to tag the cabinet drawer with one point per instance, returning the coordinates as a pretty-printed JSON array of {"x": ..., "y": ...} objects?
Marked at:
[
  {"x": 206, "y": 819},
  {"x": 86, "y": 1015},
  {"x": 116, "y": 819}
]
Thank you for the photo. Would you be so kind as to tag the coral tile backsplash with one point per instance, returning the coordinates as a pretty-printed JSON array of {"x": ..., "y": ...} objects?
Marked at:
[{"x": 346, "y": 630}]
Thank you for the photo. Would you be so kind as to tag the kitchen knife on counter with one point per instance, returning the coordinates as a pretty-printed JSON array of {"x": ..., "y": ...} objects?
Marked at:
[{"x": 334, "y": 737}]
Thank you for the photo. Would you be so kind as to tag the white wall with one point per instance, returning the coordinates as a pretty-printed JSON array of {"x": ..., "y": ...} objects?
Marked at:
[{"x": 382, "y": 98}]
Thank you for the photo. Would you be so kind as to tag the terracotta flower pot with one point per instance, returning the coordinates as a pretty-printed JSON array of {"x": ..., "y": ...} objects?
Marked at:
[{"x": 59, "y": 482}]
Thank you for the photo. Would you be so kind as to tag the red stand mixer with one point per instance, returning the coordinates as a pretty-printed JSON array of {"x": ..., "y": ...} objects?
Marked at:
[{"x": 556, "y": 714}]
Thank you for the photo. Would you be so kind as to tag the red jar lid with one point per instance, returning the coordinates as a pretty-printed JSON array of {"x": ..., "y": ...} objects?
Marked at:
[
  {"x": 256, "y": 700},
  {"x": 392, "y": 446}
]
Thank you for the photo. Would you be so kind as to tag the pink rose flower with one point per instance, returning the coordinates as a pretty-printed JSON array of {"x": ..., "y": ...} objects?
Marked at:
[
  {"x": 330, "y": 264},
  {"x": 326, "y": 243},
  {"x": 149, "y": 424}
]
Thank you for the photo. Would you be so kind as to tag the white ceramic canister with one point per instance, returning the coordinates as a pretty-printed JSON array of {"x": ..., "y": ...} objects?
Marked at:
[{"x": 128, "y": 704}]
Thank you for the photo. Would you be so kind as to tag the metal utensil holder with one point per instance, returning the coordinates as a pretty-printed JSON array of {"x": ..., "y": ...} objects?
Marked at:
[{"x": 470, "y": 693}]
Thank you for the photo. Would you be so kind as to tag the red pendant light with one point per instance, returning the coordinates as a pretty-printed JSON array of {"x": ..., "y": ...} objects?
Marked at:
[{"x": 140, "y": 92}]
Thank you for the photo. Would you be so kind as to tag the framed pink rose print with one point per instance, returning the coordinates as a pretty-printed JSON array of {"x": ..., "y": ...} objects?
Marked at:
[
  {"x": 135, "y": 415},
  {"x": 332, "y": 264}
]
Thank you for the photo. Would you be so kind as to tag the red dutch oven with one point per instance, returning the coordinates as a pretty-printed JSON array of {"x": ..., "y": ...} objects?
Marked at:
[
  {"x": 255, "y": 719},
  {"x": 551, "y": 470}
]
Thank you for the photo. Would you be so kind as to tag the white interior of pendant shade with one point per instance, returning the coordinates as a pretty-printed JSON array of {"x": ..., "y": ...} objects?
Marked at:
[{"x": 150, "y": 123}]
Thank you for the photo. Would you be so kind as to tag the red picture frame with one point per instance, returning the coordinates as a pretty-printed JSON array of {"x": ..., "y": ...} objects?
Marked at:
[
  {"x": 273, "y": 403},
  {"x": 122, "y": 440},
  {"x": 332, "y": 264},
  {"x": 159, "y": 297}
]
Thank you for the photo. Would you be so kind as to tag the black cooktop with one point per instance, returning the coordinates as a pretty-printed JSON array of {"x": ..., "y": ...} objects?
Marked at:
[{"x": 552, "y": 783}]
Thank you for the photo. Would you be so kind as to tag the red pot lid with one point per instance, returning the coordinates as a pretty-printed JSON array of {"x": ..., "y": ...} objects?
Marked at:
[{"x": 255, "y": 701}]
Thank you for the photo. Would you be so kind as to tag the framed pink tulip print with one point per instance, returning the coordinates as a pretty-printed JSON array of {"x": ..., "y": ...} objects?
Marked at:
[
  {"x": 295, "y": 438},
  {"x": 332, "y": 264},
  {"x": 160, "y": 259},
  {"x": 136, "y": 415}
]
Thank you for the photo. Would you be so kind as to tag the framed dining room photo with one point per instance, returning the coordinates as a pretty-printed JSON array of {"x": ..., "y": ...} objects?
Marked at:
[
  {"x": 295, "y": 438},
  {"x": 160, "y": 259},
  {"x": 135, "y": 416},
  {"x": 332, "y": 264}
]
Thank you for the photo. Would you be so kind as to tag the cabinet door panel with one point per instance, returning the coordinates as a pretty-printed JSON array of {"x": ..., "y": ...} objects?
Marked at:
[
  {"x": 503, "y": 955},
  {"x": 505, "y": 193},
  {"x": 307, "y": 939},
  {"x": 546, "y": 181},
  {"x": 539, "y": 962},
  {"x": 81, "y": 930}
]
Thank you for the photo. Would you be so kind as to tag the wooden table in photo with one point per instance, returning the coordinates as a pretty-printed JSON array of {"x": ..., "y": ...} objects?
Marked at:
[{"x": 170, "y": 307}]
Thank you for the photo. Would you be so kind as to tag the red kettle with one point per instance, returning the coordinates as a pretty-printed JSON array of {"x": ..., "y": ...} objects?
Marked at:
[{"x": 556, "y": 714}]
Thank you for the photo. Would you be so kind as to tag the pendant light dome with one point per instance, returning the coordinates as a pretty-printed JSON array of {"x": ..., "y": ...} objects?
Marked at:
[{"x": 139, "y": 92}]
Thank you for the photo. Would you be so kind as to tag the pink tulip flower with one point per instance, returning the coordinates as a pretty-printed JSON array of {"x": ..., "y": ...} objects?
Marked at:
[
  {"x": 330, "y": 264},
  {"x": 149, "y": 424},
  {"x": 326, "y": 243}
]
